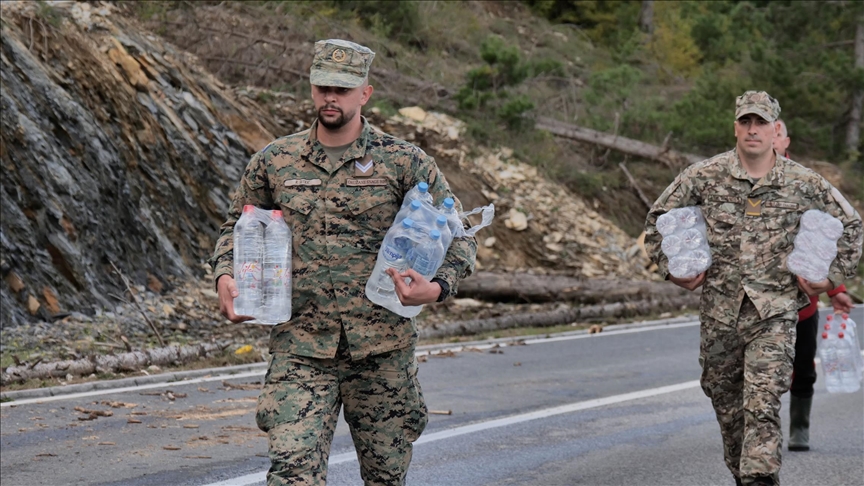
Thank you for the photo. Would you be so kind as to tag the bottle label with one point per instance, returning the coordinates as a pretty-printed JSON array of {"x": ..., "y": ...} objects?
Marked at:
[
  {"x": 391, "y": 253},
  {"x": 249, "y": 273}
]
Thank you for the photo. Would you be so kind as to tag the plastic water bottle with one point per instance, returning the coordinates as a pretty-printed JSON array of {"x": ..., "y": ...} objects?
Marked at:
[
  {"x": 851, "y": 329},
  {"x": 420, "y": 192},
  {"x": 815, "y": 245},
  {"x": 394, "y": 254},
  {"x": 849, "y": 368},
  {"x": 248, "y": 242},
  {"x": 429, "y": 255},
  {"x": 448, "y": 209},
  {"x": 444, "y": 229},
  {"x": 277, "y": 271},
  {"x": 838, "y": 365}
]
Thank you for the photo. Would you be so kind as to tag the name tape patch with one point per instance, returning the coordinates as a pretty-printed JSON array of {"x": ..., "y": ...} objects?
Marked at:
[
  {"x": 302, "y": 182},
  {"x": 366, "y": 182}
]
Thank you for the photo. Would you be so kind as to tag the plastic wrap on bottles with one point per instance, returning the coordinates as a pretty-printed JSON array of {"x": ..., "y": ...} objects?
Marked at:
[
  {"x": 815, "y": 245},
  {"x": 685, "y": 241},
  {"x": 262, "y": 266}
]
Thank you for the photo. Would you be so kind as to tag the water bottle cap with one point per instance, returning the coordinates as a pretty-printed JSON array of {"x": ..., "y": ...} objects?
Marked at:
[
  {"x": 449, "y": 203},
  {"x": 845, "y": 316},
  {"x": 423, "y": 187},
  {"x": 407, "y": 223},
  {"x": 415, "y": 205},
  {"x": 441, "y": 220},
  {"x": 824, "y": 335},
  {"x": 827, "y": 327},
  {"x": 830, "y": 317},
  {"x": 843, "y": 326},
  {"x": 435, "y": 234},
  {"x": 276, "y": 214},
  {"x": 248, "y": 208},
  {"x": 840, "y": 334}
]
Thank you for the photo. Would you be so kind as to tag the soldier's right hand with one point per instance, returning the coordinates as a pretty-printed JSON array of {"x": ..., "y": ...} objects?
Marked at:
[
  {"x": 227, "y": 290},
  {"x": 690, "y": 284}
]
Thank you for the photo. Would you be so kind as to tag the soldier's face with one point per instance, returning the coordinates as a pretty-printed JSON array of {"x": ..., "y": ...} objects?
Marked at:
[
  {"x": 338, "y": 106},
  {"x": 755, "y": 134}
]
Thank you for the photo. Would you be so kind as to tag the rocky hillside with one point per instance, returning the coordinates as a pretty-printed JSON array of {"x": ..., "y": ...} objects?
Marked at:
[{"x": 119, "y": 150}]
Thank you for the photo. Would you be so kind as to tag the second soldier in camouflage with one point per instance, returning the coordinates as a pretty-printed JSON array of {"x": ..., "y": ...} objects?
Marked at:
[{"x": 752, "y": 199}]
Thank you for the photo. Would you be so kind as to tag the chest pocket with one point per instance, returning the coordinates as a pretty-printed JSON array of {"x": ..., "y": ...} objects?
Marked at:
[
  {"x": 721, "y": 218},
  {"x": 781, "y": 222},
  {"x": 373, "y": 210}
]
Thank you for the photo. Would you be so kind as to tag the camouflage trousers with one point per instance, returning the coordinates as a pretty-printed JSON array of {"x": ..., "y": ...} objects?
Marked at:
[
  {"x": 299, "y": 407},
  {"x": 745, "y": 369}
]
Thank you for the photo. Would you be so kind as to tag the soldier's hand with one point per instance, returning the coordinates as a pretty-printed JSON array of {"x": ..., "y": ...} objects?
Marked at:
[
  {"x": 842, "y": 302},
  {"x": 690, "y": 284},
  {"x": 227, "y": 290},
  {"x": 420, "y": 291},
  {"x": 814, "y": 288}
]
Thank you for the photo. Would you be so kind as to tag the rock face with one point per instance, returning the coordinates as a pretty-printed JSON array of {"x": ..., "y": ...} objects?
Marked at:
[{"x": 115, "y": 148}]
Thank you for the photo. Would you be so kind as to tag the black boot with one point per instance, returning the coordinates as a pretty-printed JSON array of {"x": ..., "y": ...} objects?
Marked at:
[{"x": 799, "y": 423}]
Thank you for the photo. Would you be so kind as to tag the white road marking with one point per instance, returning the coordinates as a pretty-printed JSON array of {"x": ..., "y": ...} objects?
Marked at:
[{"x": 257, "y": 478}]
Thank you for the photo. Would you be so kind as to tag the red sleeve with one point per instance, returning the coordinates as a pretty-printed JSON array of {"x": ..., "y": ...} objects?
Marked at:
[{"x": 838, "y": 290}]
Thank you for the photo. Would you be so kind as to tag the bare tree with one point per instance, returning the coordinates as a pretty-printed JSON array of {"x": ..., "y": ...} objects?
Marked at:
[
  {"x": 646, "y": 17},
  {"x": 853, "y": 129}
]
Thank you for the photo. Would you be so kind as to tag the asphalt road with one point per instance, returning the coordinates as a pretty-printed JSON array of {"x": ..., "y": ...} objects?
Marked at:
[{"x": 608, "y": 409}]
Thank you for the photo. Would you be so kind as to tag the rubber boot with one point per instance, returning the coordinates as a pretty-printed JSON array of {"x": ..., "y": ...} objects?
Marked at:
[{"x": 799, "y": 423}]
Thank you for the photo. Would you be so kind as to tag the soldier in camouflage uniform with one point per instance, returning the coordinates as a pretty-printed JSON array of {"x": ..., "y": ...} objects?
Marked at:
[
  {"x": 339, "y": 186},
  {"x": 752, "y": 199}
]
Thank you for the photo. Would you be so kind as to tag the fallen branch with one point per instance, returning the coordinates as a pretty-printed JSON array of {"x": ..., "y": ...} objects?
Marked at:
[
  {"x": 140, "y": 309},
  {"x": 529, "y": 288},
  {"x": 126, "y": 362},
  {"x": 558, "y": 317},
  {"x": 671, "y": 158},
  {"x": 635, "y": 186}
]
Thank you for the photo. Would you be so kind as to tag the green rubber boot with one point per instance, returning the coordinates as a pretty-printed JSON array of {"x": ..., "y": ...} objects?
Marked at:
[{"x": 799, "y": 423}]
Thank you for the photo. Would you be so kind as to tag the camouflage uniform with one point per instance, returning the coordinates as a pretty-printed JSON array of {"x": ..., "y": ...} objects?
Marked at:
[
  {"x": 339, "y": 347},
  {"x": 750, "y": 301}
]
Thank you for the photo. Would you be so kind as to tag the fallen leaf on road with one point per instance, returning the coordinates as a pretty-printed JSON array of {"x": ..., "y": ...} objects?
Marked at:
[
  {"x": 46, "y": 454},
  {"x": 517, "y": 364},
  {"x": 133, "y": 421},
  {"x": 119, "y": 404},
  {"x": 441, "y": 412},
  {"x": 36, "y": 418},
  {"x": 190, "y": 426},
  {"x": 106, "y": 443},
  {"x": 95, "y": 413},
  {"x": 421, "y": 359},
  {"x": 138, "y": 413},
  {"x": 444, "y": 354},
  {"x": 496, "y": 351},
  {"x": 171, "y": 448},
  {"x": 197, "y": 457},
  {"x": 202, "y": 389},
  {"x": 472, "y": 349}
]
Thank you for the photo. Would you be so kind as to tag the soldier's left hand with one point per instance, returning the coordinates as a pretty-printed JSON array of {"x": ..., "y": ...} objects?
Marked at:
[
  {"x": 842, "y": 302},
  {"x": 420, "y": 291},
  {"x": 815, "y": 288}
]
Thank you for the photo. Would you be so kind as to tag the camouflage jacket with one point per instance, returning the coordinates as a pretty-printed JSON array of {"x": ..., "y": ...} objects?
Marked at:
[
  {"x": 749, "y": 251},
  {"x": 339, "y": 214}
]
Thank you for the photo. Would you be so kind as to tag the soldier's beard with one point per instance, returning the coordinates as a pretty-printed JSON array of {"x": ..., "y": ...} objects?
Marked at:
[{"x": 333, "y": 123}]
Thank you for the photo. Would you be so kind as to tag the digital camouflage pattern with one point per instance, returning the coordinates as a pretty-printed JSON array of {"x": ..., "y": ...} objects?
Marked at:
[
  {"x": 758, "y": 103},
  {"x": 750, "y": 300},
  {"x": 338, "y": 214},
  {"x": 300, "y": 403},
  {"x": 749, "y": 252},
  {"x": 340, "y": 63},
  {"x": 745, "y": 369}
]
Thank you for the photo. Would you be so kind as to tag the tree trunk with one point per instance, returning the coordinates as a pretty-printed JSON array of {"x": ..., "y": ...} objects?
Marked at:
[
  {"x": 129, "y": 362},
  {"x": 853, "y": 130},
  {"x": 557, "y": 317},
  {"x": 523, "y": 287},
  {"x": 636, "y": 148},
  {"x": 646, "y": 17}
]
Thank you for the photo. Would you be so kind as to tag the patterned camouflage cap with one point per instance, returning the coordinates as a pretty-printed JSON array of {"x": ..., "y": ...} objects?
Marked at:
[
  {"x": 340, "y": 63},
  {"x": 758, "y": 103}
]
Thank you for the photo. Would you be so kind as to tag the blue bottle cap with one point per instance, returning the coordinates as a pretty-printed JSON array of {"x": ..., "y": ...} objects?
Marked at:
[
  {"x": 423, "y": 187},
  {"x": 407, "y": 223},
  {"x": 435, "y": 234},
  {"x": 449, "y": 203},
  {"x": 415, "y": 205},
  {"x": 441, "y": 220}
]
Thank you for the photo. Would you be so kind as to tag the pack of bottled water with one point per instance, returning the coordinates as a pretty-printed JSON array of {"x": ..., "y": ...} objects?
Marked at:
[
  {"x": 841, "y": 357},
  {"x": 418, "y": 239},
  {"x": 815, "y": 245},
  {"x": 262, "y": 266},
  {"x": 844, "y": 329},
  {"x": 685, "y": 241}
]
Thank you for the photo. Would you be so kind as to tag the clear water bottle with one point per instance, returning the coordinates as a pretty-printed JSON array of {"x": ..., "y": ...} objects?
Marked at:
[
  {"x": 849, "y": 368},
  {"x": 395, "y": 251},
  {"x": 692, "y": 238},
  {"x": 671, "y": 245},
  {"x": 851, "y": 328},
  {"x": 448, "y": 209},
  {"x": 420, "y": 192},
  {"x": 666, "y": 224},
  {"x": 839, "y": 367},
  {"x": 444, "y": 229},
  {"x": 428, "y": 255},
  {"x": 248, "y": 243},
  {"x": 277, "y": 271}
]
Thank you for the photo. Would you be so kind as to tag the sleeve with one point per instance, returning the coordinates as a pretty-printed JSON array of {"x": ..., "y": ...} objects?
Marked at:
[
  {"x": 254, "y": 190},
  {"x": 461, "y": 256},
  {"x": 679, "y": 194},
  {"x": 845, "y": 264}
]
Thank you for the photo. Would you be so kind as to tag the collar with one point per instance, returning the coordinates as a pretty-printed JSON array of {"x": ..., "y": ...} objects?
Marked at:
[
  {"x": 775, "y": 177},
  {"x": 314, "y": 151}
]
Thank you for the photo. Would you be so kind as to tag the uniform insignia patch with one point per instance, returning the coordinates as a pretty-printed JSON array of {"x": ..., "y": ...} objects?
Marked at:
[
  {"x": 754, "y": 207},
  {"x": 847, "y": 208},
  {"x": 363, "y": 168},
  {"x": 338, "y": 55},
  {"x": 366, "y": 182},
  {"x": 302, "y": 182}
]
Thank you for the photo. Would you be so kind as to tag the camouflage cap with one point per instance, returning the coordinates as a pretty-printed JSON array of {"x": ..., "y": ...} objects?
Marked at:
[
  {"x": 340, "y": 63},
  {"x": 758, "y": 103}
]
